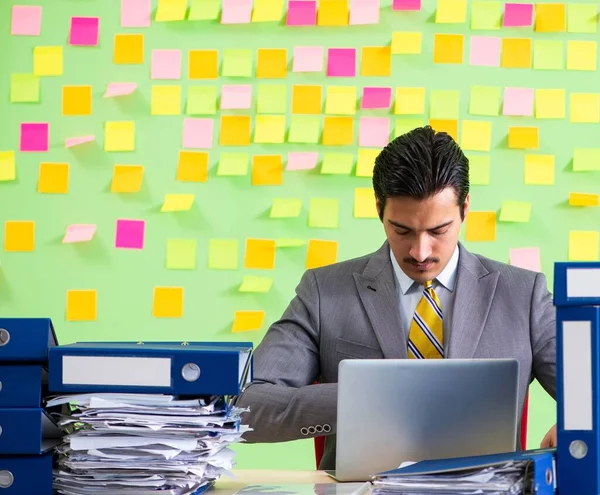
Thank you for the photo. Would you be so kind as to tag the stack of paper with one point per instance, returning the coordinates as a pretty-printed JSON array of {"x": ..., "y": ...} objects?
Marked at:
[{"x": 144, "y": 444}]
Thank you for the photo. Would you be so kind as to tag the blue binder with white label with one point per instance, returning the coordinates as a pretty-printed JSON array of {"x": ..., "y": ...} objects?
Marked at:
[
  {"x": 27, "y": 431},
  {"x": 26, "y": 339},
  {"x": 188, "y": 368},
  {"x": 26, "y": 474},
  {"x": 22, "y": 385},
  {"x": 576, "y": 283}
]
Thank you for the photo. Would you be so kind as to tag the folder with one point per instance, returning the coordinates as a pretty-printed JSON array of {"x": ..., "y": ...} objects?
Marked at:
[
  {"x": 27, "y": 431},
  {"x": 189, "y": 368},
  {"x": 26, "y": 339},
  {"x": 27, "y": 474},
  {"x": 576, "y": 283},
  {"x": 22, "y": 385}
]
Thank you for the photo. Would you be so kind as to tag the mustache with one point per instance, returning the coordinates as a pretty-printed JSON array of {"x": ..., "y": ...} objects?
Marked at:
[{"x": 413, "y": 261}]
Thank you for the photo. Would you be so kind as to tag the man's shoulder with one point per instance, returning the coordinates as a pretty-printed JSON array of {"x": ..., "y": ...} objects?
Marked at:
[
  {"x": 505, "y": 269},
  {"x": 344, "y": 268}
]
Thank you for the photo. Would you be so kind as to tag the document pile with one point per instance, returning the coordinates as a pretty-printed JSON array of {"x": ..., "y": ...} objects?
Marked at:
[{"x": 144, "y": 443}]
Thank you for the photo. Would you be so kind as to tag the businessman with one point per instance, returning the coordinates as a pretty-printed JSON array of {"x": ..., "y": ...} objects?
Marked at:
[{"x": 422, "y": 295}]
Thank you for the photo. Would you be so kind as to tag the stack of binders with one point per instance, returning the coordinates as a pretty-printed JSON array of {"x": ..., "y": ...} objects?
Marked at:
[{"x": 28, "y": 434}]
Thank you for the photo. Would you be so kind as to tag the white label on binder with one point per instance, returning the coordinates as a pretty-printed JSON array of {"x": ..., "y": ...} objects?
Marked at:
[
  {"x": 577, "y": 375},
  {"x": 112, "y": 370},
  {"x": 583, "y": 282}
]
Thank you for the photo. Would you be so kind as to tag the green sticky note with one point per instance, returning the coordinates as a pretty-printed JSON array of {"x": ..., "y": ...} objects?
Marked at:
[
  {"x": 515, "y": 211},
  {"x": 204, "y": 10},
  {"x": 486, "y": 15},
  {"x": 402, "y": 126},
  {"x": 586, "y": 159},
  {"x": 337, "y": 163},
  {"x": 548, "y": 55},
  {"x": 181, "y": 254},
  {"x": 24, "y": 88},
  {"x": 582, "y": 17},
  {"x": 223, "y": 254},
  {"x": 252, "y": 283},
  {"x": 323, "y": 213},
  {"x": 238, "y": 62},
  {"x": 479, "y": 170},
  {"x": 201, "y": 100},
  {"x": 289, "y": 242},
  {"x": 233, "y": 163},
  {"x": 485, "y": 100},
  {"x": 444, "y": 104},
  {"x": 305, "y": 129},
  {"x": 271, "y": 98},
  {"x": 286, "y": 207}
]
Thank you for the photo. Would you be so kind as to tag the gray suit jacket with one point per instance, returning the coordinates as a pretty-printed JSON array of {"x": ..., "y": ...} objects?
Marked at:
[{"x": 350, "y": 310}]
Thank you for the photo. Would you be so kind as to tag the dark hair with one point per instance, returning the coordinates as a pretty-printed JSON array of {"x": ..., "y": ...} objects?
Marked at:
[{"x": 420, "y": 164}]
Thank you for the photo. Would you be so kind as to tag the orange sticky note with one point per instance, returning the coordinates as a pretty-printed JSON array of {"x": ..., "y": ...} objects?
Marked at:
[
  {"x": 271, "y": 63},
  {"x": 338, "y": 131},
  {"x": 19, "y": 235},
  {"x": 192, "y": 166},
  {"x": 77, "y": 100},
  {"x": 246, "y": 321},
  {"x": 81, "y": 305},
  {"x": 267, "y": 170},
  {"x": 584, "y": 199},
  {"x": 306, "y": 99},
  {"x": 481, "y": 226},
  {"x": 448, "y": 48},
  {"x": 321, "y": 253},
  {"x": 127, "y": 178},
  {"x": 203, "y": 64},
  {"x": 516, "y": 53},
  {"x": 448, "y": 126},
  {"x": 168, "y": 302},
  {"x": 128, "y": 49},
  {"x": 53, "y": 178},
  {"x": 550, "y": 17},
  {"x": 260, "y": 254},
  {"x": 235, "y": 130},
  {"x": 333, "y": 13},
  {"x": 523, "y": 137},
  {"x": 376, "y": 61}
]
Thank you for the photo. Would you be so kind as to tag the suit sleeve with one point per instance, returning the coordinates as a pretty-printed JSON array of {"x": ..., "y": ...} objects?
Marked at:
[
  {"x": 282, "y": 400},
  {"x": 543, "y": 335}
]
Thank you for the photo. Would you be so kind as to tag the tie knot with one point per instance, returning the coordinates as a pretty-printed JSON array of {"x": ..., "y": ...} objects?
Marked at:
[{"x": 428, "y": 284}]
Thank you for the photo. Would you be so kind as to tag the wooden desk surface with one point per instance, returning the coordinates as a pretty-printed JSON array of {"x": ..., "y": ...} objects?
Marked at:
[{"x": 228, "y": 486}]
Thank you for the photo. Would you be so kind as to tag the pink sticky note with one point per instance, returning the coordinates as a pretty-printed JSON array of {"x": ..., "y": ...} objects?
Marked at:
[
  {"x": 518, "y": 101},
  {"x": 84, "y": 31},
  {"x": 518, "y": 15},
  {"x": 308, "y": 59},
  {"x": 364, "y": 12},
  {"x": 406, "y": 5},
  {"x": 76, "y": 141},
  {"x": 374, "y": 97},
  {"x": 236, "y": 96},
  {"x": 341, "y": 62},
  {"x": 302, "y": 13},
  {"x": 236, "y": 11},
  {"x": 197, "y": 133},
  {"x": 26, "y": 20},
  {"x": 119, "y": 89},
  {"x": 79, "y": 232},
  {"x": 34, "y": 136},
  {"x": 166, "y": 64},
  {"x": 302, "y": 160},
  {"x": 485, "y": 51},
  {"x": 528, "y": 258},
  {"x": 130, "y": 234},
  {"x": 374, "y": 131},
  {"x": 136, "y": 13}
]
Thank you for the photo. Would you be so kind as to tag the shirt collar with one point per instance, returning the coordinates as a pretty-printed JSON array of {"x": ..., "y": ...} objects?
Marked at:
[{"x": 447, "y": 277}]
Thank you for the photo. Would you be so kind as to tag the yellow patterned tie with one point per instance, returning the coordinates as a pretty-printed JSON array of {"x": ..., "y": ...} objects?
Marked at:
[{"x": 426, "y": 336}]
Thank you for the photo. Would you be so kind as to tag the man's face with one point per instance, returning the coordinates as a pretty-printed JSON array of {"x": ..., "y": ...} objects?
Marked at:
[{"x": 423, "y": 233}]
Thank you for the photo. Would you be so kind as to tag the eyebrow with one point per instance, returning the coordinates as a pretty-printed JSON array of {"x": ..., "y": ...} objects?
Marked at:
[{"x": 400, "y": 226}]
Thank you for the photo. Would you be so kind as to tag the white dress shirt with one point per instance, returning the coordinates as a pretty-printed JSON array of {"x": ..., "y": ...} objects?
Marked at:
[{"x": 410, "y": 292}]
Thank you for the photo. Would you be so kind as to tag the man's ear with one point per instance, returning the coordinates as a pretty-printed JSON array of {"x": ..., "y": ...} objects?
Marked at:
[
  {"x": 466, "y": 205},
  {"x": 378, "y": 206}
]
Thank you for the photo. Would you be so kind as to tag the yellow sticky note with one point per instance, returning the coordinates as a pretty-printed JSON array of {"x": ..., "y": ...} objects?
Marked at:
[
  {"x": 48, "y": 61},
  {"x": 550, "y": 104},
  {"x": 19, "y": 235},
  {"x": 119, "y": 136},
  {"x": 338, "y": 131},
  {"x": 127, "y": 178},
  {"x": 260, "y": 254},
  {"x": 223, "y": 254},
  {"x": 341, "y": 100},
  {"x": 479, "y": 170},
  {"x": 247, "y": 321},
  {"x": 548, "y": 55},
  {"x": 337, "y": 163},
  {"x": 583, "y": 245},
  {"x": 232, "y": 164},
  {"x": 366, "y": 162},
  {"x": 178, "y": 202},
  {"x": 480, "y": 226},
  {"x": 269, "y": 129},
  {"x": 305, "y": 129},
  {"x": 406, "y": 42},
  {"x": 585, "y": 107},
  {"x": 323, "y": 213},
  {"x": 235, "y": 130},
  {"x": 364, "y": 203},
  {"x": 252, "y": 283},
  {"x": 376, "y": 61},
  {"x": 584, "y": 199},
  {"x": 171, "y": 10},
  {"x": 306, "y": 99},
  {"x": 8, "y": 169},
  {"x": 448, "y": 48},
  {"x": 516, "y": 53},
  {"x": 53, "y": 178},
  {"x": 586, "y": 159},
  {"x": 271, "y": 63},
  {"x": 333, "y": 13},
  {"x": 410, "y": 101},
  {"x": 448, "y": 126},
  {"x": 539, "y": 170},
  {"x": 476, "y": 135},
  {"x": 286, "y": 208},
  {"x": 451, "y": 11},
  {"x": 181, "y": 254},
  {"x": 582, "y": 55},
  {"x": 267, "y": 170},
  {"x": 267, "y": 10},
  {"x": 192, "y": 166},
  {"x": 167, "y": 302},
  {"x": 320, "y": 253},
  {"x": 165, "y": 100},
  {"x": 203, "y": 64},
  {"x": 550, "y": 17},
  {"x": 523, "y": 138},
  {"x": 77, "y": 100},
  {"x": 515, "y": 211},
  {"x": 81, "y": 305},
  {"x": 128, "y": 49}
]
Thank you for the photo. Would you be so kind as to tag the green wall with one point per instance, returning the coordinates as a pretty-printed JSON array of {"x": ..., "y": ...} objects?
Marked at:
[{"x": 35, "y": 283}]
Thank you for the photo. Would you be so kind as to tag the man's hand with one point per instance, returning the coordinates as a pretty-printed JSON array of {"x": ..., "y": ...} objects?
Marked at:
[{"x": 549, "y": 440}]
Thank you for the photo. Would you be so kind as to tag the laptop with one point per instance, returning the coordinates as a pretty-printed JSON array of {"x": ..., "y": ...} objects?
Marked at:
[{"x": 393, "y": 411}]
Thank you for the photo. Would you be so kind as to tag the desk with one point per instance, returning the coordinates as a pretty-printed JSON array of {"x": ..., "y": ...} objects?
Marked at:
[{"x": 228, "y": 486}]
